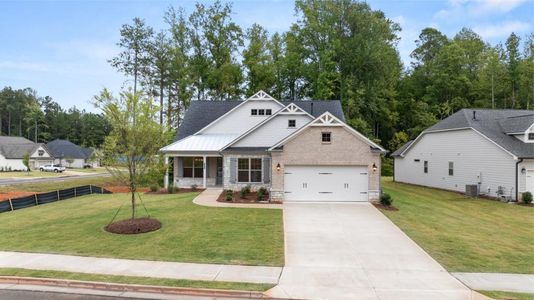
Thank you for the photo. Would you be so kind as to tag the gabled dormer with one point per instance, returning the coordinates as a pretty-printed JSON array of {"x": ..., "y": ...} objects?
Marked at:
[
  {"x": 244, "y": 116},
  {"x": 521, "y": 127}
]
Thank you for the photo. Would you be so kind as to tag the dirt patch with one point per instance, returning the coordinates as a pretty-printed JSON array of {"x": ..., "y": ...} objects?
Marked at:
[
  {"x": 14, "y": 194},
  {"x": 390, "y": 207},
  {"x": 134, "y": 226},
  {"x": 251, "y": 197}
]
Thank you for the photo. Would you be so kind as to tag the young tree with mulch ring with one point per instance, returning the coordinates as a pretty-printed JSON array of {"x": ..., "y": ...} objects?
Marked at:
[{"x": 131, "y": 149}]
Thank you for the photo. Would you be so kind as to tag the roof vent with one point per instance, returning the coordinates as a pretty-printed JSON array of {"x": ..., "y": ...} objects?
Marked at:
[{"x": 474, "y": 114}]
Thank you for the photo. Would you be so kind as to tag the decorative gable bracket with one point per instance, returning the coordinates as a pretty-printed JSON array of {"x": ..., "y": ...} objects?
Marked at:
[
  {"x": 261, "y": 95},
  {"x": 327, "y": 119},
  {"x": 293, "y": 109}
]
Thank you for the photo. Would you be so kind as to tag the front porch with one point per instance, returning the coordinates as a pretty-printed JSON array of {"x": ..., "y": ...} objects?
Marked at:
[{"x": 195, "y": 170}]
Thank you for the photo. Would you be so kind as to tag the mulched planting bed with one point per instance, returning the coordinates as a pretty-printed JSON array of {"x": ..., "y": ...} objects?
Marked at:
[
  {"x": 380, "y": 206},
  {"x": 134, "y": 226},
  {"x": 251, "y": 197},
  {"x": 122, "y": 189}
]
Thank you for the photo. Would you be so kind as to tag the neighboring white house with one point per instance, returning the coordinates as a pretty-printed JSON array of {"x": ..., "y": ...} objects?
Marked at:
[
  {"x": 298, "y": 150},
  {"x": 71, "y": 155},
  {"x": 493, "y": 149},
  {"x": 13, "y": 149}
]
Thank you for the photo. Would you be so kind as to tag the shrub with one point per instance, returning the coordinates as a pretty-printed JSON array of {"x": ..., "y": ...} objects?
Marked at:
[
  {"x": 244, "y": 191},
  {"x": 527, "y": 197},
  {"x": 261, "y": 195},
  {"x": 229, "y": 195},
  {"x": 154, "y": 187},
  {"x": 385, "y": 199}
]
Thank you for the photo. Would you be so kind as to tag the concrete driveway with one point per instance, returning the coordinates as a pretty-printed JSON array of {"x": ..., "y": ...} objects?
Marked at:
[{"x": 352, "y": 251}]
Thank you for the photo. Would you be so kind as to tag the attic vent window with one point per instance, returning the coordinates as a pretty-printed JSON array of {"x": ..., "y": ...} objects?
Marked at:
[
  {"x": 268, "y": 112},
  {"x": 261, "y": 112},
  {"x": 291, "y": 123},
  {"x": 253, "y": 112},
  {"x": 417, "y": 160},
  {"x": 40, "y": 152},
  {"x": 531, "y": 136}
]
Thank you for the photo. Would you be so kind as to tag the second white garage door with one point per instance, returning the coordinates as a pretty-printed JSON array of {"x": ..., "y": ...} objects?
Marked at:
[{"x": 326, "y": 183}]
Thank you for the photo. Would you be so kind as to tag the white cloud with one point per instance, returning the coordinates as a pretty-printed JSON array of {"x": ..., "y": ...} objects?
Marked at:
[
  {"x": 460, "y": 9},
  {"x": 501, "y": 30},
  {"x": 502, "y": 6}
]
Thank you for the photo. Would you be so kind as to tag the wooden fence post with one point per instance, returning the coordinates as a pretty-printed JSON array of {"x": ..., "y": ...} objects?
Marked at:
[
  {"x": 58, "y": 196},
  {"x": 91, "y": 189},
  {"x": 11, "y": 204},
  {"x": 36, "y": 203},
  {"x": 74, "y": 192}
]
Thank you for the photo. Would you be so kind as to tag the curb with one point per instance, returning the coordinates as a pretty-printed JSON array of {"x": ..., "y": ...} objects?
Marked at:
[{"x": 117, "y": 287}]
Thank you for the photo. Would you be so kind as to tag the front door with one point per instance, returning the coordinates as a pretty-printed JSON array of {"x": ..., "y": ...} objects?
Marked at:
[{"x": 219, "y": 178}]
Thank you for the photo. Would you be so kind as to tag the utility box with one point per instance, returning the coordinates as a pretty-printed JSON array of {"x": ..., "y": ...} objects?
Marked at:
[{"x": 471, "y": 190}]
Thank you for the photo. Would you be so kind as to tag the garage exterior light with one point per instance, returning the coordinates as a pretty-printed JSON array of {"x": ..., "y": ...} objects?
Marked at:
[
  {"x": 374, "y": 167},
  {"x": 278, "y": 167}
]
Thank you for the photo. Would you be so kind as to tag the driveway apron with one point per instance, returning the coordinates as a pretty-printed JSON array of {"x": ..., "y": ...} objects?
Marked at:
[{"x": 352, "y": 251}]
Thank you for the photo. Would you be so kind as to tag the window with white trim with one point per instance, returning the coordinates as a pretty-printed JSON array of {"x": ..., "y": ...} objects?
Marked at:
[
  {"x": 531, "y": 136},
  {"x": 249, "y": 170},
  {"x": 193, "y": 167},
  {"x": 451, "y": 168},
  {"x": 326, "y": 137},
  {"x": 253, "y": 112},
  {"x": 425, "y": 166},
  {"x": 291, "y": 123},
  {"x": 40, "y": 152},
  {"x": 261, "y": 112},
  {"x": 268, "y": 112}
]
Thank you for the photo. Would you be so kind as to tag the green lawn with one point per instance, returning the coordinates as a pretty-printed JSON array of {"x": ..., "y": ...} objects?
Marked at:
[
  {"x": 56, "y": 185},
  {"x": 465, "y": 234},
  {"x": 31, "y": 174},
  {"x": 507, "y": 295},
  {"x": 136, "y": 280},
  {"x": 190, "y": 233}
]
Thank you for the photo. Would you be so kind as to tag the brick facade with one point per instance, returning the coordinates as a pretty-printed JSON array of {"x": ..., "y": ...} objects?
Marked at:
[{"x": 307, "y": 148}]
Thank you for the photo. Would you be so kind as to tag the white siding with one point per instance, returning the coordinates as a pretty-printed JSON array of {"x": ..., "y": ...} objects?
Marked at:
[
  {"x": 273, "y": 131},
  {"x": 12, "y": 164},
  {"x": 76, "y": 163},
  {"x": 239, "y": 121},
  {"x": 36, "y": 153},
  {"x": 528, "y": 164},
  {"x": 475, "y": 160}
]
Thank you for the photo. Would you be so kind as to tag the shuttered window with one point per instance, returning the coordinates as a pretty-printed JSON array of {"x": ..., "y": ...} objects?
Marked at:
[{"x": 249, "y": 170}]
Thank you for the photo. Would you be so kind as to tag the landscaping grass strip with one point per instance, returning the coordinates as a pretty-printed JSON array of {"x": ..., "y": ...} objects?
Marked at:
[
  {"x": 136, "y": 280},
  {"x": 498, "y": 295},
  {"x": 465, "y": 234}
]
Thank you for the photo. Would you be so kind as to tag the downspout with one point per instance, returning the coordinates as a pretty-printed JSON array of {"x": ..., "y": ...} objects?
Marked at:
[{"x": 517, "y": 179}]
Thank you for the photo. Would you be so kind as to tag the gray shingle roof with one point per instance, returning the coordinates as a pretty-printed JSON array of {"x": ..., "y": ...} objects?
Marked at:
[
  {"x": 494, "y": 124},
  {"x": 14, "y": 147},
  {"x": 402, "y": 148},
  {"x": 201, "y": 113},
  {"x": 66, "y": 149}
]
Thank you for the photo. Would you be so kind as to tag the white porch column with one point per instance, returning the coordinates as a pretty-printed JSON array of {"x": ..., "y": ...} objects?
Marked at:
[
  {"x": 166, "y": 177},
  {"x": 204, "y": 171}
]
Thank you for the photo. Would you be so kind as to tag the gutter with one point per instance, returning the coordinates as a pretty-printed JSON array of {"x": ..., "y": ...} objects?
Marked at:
[{"x": 517, "y": 179}]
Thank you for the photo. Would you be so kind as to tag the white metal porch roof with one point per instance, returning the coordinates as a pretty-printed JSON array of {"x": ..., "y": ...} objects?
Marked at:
[{"x": 201, "y": 143}]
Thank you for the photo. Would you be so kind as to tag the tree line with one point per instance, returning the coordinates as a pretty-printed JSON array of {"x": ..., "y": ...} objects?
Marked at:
[
  {"x": 41, "y": 119},
  {"x": 337, "y": 49}
]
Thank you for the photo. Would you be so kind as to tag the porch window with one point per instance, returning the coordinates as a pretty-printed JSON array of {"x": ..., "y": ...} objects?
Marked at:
[
  {"x": 249, "y": 170},
  {"x": 193, "y": 167}
]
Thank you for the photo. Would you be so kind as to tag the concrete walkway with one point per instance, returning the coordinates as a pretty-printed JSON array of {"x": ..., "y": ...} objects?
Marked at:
[
  {"x": 352, "y": 251},
  {"x": 143, "y": 268},
  {"x": 209, "y": 198},
  {"x": 521, "y": 283}
]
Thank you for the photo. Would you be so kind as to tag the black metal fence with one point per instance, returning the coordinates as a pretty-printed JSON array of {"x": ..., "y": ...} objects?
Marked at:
[{"x": 43, "y": 198}]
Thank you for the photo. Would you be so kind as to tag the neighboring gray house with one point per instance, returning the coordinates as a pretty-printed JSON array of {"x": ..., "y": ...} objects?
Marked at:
[
  {"x": 493, "y": 149},
  {"x": 65, "y": 151},
  {"x": 13, "y": 149},
  {"x": 298, "y": 150}
]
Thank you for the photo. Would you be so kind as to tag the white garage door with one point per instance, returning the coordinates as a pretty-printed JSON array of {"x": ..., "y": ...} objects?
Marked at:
[
  {"x": 530, "y": 181},
  {"x": 326, "y": 183}
]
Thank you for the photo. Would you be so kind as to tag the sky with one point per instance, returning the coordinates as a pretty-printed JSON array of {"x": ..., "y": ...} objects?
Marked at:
[{"x": 61, "y": 48}]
